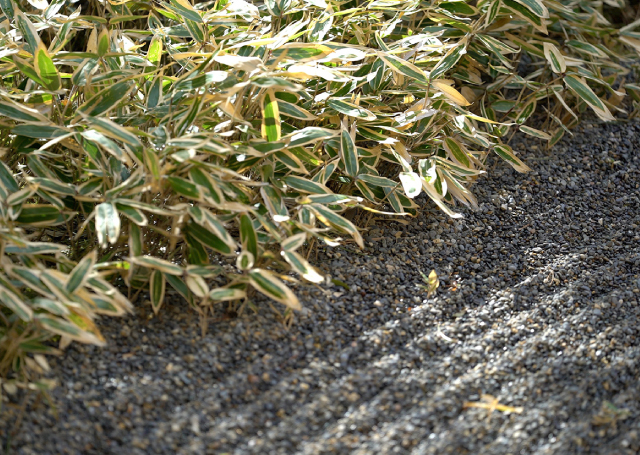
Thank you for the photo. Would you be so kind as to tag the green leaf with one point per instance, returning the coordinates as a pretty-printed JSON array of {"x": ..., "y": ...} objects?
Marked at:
[
  {"x": 404, "y": 67},
  {"x": 115, "y": 131},
  {"x": 132, "y": 213},
  {"x": 535, "y": 133},
  {"x": 135, "y": 240},
  {"x": 152, "y": 162},
  {"x": 29, "y": 33},
  {"x": 536, "y": 6},
  {"x": 34, "y": 248},
  {"x": 248, "y": 235},
  {"x": 245, "y": 260},
  {"x": 7, "y": 179},
  {"x": 456, "y": 151},
  {"x": 7, "y": 8},
  {"x": 155, "y": 49},
  {"x": 177, "y": 284},
  {"x": 306, "y": 185},
  {"x": 157, "y": 287},
  {"x": 301, "y": 266},
  {"x": 274, "y": 202},
  {"x": 348, "y": 153},
  {"x": 103, "y": 42},
  {"x": 492, "y": 12},
  {"x": 185, "y": 188},
  {"x": 209, "y": 239},
  {"x": 526, "y": 14},
  {"x": 294, "y": 242},
  {"x": 351, "y": 110},
  {"x": 197, "y": 285},
  {"x": 68, "y": 329},
  {"x": 506, "y": 153},
  {"x": 201, "y": 80},
  {"x": 80, "y": 272},
  {"x": 294, "y": 111},
  {"x": 154, "y": 263},
  {"x": 214, "y": 225},
  {"x": 291, "y": 161},
  {"x": 39, "y": 131},
  {"x": 52, "y": 306},
  {"x": 330, "y": 218},
  {"x": 16, "y": 304},
  {"x": 106, "y": 100},
  {"x": 206, "y": 180},
  {"x": 184, "y": 9},
  {"x": 268, "y": 284},
  {"x": 310, "y": 135},
  {"x": 526, "y": 112},
  {"x": 17, "y": 111},
  {"x": 586, "y": 48},
  {"x": 154, "y": 96},
  {"x": 270, "y": 117},
  {"x": 579, "y": 86},
  {"x": 375, "y": 180},
  {"x": 18, "y": 198},
  {"x": 226, "y": 294},
  {"x": 458, "y": 8},
  {"x": 449, "y": 60},
  {"x": 46, "y": 69},
  {"x": 276, "y": 83},
  {"x": 555, "y": 58},
  {"x": 39, "y": 215},
  {"x": 53, "y": 186}
]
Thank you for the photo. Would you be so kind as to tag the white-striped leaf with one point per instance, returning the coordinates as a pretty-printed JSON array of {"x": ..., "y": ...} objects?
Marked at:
[
  {"x": 197, "y": 285},
  {"x": 295, "y": 111},
  {"x": 332, "y": 219},
  {"x": 271, "y": 286},
  {"x": 248, "y": 235},
  {"x": 157, "y": 288},
  {"x": 351, "y": 109},
  {"x": 226, "y": 294},
  {"x": 535, "y": 133},
  {"x": 579, "y": 86},
  {"x": 80, "y": 272},
  {"x": 404, "y": 67},
  {"x": 245, "y": 260},
  {"x": 506, "y": 153},
  {"x": 157, "y": 264},
  {"x": 107, "y": 223},
  {"x": 294, "y": 242},
  {"x": 348, "y": 152},
  {"x": 555, "y": 58},
  {"x": 301, "y": 266}
]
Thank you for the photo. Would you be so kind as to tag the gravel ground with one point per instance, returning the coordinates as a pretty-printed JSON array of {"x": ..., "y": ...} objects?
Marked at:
[{"x": 538, "y": 306}]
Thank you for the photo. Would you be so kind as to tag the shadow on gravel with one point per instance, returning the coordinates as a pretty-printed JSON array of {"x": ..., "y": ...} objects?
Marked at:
[{"x": 538, "y": 307}]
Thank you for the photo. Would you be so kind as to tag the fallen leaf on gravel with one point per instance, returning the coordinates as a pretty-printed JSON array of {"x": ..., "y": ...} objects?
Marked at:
[{"x": 491, "y": 404}]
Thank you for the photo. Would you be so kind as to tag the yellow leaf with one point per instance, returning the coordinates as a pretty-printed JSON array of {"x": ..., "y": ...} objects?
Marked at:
[{"x": 450, "y": 93}]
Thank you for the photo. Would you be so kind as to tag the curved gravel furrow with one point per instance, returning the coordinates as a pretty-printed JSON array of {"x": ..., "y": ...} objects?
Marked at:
[
  {"x": 538, "y": 306},
  {"x": 412, "y": 421}
]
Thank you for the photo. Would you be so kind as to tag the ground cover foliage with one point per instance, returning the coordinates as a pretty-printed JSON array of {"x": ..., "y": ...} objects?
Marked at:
[{"x": 155, "y": 145}]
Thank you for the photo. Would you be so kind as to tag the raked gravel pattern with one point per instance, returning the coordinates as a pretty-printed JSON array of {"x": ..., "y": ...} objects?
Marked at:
[{"x": 538, "y": 306}]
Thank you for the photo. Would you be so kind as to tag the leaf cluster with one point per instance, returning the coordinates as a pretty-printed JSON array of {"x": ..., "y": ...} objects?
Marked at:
[{"x": 206, "y": 147}]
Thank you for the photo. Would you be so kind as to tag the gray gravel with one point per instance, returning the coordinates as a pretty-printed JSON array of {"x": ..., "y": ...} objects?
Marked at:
[{"x": 538, "y": 306}]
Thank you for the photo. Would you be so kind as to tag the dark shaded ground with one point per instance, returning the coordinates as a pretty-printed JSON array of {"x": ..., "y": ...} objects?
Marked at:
[{"x": 538, "y": 306}]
